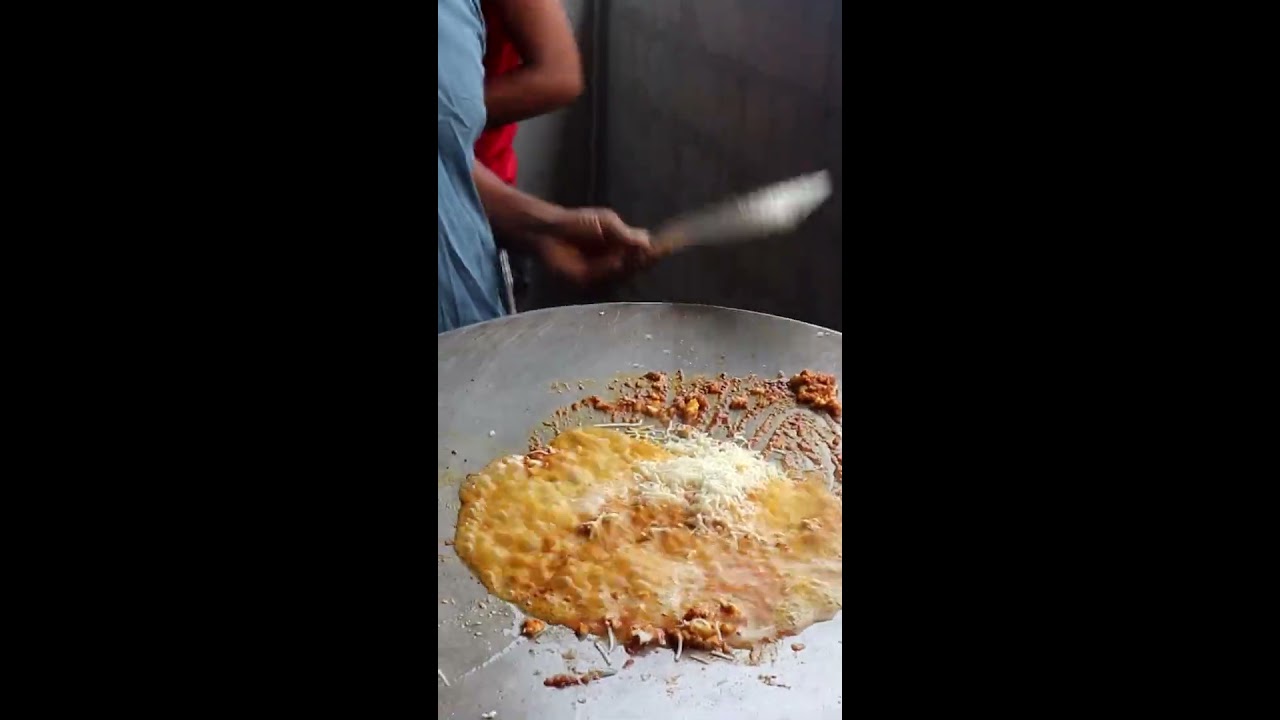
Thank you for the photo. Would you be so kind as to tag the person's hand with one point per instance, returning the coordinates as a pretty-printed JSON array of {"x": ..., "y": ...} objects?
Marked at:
[
  {"x": 589, "y": 245},
  {"x": 597, "y": 229}
]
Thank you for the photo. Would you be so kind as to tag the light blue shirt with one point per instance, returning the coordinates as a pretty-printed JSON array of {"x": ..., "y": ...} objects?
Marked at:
[{"x": 469, "y": 281}]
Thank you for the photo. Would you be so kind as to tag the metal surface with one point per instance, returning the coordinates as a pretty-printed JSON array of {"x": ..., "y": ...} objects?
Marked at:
[
  {"x": 778, "y": 208},
  {"x": 508, "y": 281},
  {"x": 494, "y": 388}
]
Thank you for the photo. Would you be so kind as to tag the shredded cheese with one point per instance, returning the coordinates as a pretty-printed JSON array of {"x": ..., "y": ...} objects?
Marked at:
[{"x": 713, "y": 478}]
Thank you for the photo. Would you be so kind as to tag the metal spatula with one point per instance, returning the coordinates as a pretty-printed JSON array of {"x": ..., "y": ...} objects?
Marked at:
[{"x": 768, "y": 211}]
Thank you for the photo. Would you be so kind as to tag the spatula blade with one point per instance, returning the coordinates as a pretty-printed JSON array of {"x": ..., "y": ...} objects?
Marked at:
[{"x": 768, "y": 211}]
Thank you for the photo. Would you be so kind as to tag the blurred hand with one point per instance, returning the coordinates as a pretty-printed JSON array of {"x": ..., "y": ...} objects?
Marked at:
[
  {"x": 589, "y": 245},
  {"x": 597, "y": 229}
]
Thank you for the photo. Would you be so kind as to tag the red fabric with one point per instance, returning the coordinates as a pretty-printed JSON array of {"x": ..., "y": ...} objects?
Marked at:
[{"x": 494, "y": 148}]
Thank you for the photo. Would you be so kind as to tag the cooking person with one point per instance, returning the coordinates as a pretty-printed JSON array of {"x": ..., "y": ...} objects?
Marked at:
[
  {"x": 580, "y": 245},
  {"x": 531, "y": 67}
]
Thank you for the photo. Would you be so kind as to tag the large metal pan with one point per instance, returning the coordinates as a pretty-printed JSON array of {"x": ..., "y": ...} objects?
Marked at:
[{"x": 495, "y": 386}]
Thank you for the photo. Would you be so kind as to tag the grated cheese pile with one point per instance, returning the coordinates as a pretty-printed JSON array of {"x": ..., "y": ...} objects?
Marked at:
[{"x": 713, "y": 477}]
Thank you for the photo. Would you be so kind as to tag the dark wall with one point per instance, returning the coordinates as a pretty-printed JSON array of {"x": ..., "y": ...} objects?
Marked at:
[{"x": 699, "y": 100}]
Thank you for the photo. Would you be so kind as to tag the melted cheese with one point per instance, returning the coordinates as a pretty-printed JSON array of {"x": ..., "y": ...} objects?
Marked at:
[{"x": 691, "y": 541}]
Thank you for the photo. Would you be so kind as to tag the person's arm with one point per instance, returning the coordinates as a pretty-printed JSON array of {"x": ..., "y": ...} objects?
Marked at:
[
  {"x": 518, "y": 219},
  {"x": 583, "y": 245},
  {"x": 551, "y": 76}
]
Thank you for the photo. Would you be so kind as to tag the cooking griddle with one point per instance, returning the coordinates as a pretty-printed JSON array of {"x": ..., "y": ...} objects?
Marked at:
[{"x": 495, "y": 385}]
